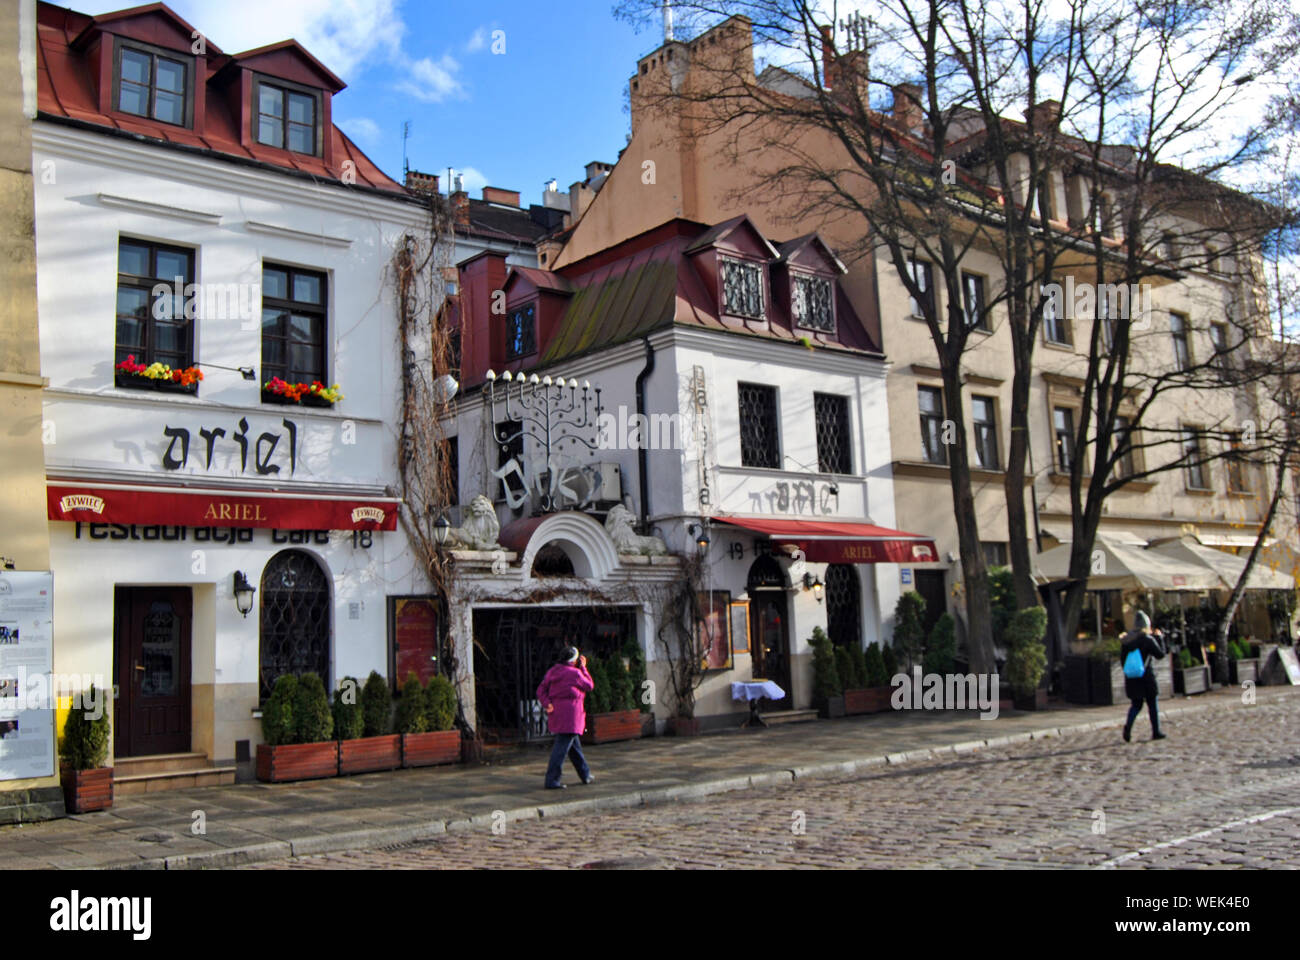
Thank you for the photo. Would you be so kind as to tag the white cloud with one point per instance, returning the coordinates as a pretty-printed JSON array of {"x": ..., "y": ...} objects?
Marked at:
[
  {"x": 475, "y": 180},
  {"x": 432, "y": 80},
  {"x": 477, "y": 41},
  {"x": 342, "y": 34},
  {"x": 362, "y": 129}
]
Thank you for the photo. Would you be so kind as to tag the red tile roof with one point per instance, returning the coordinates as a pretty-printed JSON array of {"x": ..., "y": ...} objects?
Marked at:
[{"x": 67, "y": 92}]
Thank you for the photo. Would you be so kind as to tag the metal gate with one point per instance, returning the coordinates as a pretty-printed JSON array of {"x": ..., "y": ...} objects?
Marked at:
[{"x": 513, "y": 649}]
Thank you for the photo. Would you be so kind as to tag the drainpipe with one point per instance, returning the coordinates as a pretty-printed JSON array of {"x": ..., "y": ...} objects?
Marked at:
[{"x": 642, "y": 456}]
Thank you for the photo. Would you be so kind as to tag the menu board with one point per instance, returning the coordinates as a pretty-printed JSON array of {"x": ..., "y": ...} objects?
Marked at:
[{"x": 26, "y": 668}]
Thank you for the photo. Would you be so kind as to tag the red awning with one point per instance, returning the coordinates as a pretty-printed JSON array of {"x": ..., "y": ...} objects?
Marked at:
[
  {"x": 185, "y": 507},
  {"x": 833, "y": 541}
]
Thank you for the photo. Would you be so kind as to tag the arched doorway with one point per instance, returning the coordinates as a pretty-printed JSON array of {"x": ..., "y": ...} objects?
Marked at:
[
  {"x": 295, "y": 619},
  {"x": 768, "y": 630}
]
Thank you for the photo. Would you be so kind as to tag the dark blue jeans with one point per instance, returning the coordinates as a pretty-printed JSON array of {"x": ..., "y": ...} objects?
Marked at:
[
  {"x": 1149, "y": 697},
  {"x": 570, "y": 745}
]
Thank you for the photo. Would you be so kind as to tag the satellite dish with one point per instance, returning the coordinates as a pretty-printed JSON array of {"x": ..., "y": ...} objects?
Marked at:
[{"x": 445, "y": 387}]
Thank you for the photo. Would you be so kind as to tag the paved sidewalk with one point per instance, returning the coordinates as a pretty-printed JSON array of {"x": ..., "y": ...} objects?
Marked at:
[{"x": 254, "y": 822}]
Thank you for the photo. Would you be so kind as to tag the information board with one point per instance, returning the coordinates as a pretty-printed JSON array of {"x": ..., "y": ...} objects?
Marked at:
[{"x": 26, "y": 668}]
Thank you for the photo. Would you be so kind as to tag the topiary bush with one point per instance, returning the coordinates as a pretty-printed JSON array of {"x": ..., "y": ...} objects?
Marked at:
[
  {"x": 875, "y": 671},
  {"x": 85, "y": 737},
  {"x": 909, "y": 625},
  {"x": 890, "y": 659},
  {"x": 1027, "y": 656},
  {"x": 621, "y": 696},
  {"x": 636, "y": 673},
  {"x": 843, "y": 668},
  {"x": 1185, "y": 659},
  {"x": 598, "y": 700},
  {"x": 376, "y": 706},
  {"x": 859, "y": 659},
  {"x": 411, "y": 717},
  {"x": 312, "y": 720},
  {"x": 826, "y": 678},
  {"x": 941, "y": 650},
  {"x": 348, "y": 722},
  {"x": 1002, "y": 602},
  {"x": 277, "y": 712},
  {"x": 440, "y": 703}
]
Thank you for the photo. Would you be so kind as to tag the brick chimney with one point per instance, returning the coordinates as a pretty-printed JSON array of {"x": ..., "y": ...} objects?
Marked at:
[
  {"x": 1045, "y": 115},
  {"x": 482, "y": 331},
  {"x": 908, "y": 110},
  {"x": 418, "y": 182},
  {"x": 460, "y": 206},
  {"x": 508, "y": 198}
]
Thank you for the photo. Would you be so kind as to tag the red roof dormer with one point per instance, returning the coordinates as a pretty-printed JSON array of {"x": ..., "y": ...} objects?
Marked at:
[{"x": 147, "y": 72}]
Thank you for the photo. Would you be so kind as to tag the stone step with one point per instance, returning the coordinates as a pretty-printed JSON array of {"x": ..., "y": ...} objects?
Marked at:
[
  {"x": 177, "y": 780},
  {"x": 159, "y": 763},
  {"x": 788, "y": 716}
]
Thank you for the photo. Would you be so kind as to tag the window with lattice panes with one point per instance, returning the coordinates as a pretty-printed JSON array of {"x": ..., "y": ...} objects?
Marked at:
[
  {"x": 760, "y": 441},
  {"x": 834, "y": 439},
  {"x": 742, "y": 288},
  {"x": 811, "y": 303}
]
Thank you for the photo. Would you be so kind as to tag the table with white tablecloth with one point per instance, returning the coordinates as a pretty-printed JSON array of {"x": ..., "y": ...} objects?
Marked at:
[{"x": 754, "y": 691}]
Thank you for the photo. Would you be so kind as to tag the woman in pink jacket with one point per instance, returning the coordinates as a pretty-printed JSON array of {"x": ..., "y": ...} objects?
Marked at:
[{"x": 562, "y": 694}]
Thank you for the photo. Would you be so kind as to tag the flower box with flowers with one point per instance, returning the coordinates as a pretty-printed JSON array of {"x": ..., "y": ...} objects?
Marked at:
[
  {"x": 156, "y": 376},
  {"x": 314, "y": 394}
]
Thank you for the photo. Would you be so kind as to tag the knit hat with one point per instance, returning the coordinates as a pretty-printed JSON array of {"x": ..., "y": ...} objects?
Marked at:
[
  {"x": 570, "y": 655},
  {"x": 1141, "y": 621}
]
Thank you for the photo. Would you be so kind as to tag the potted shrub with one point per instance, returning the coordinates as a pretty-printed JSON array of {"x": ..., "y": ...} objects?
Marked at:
[
  {"x": 637, "y": 677},
  {"x": 909, "y": 626},
  {"x": 365, "y": 753},
  {"x": 1242, "y": 665},
  {"x": 1027, "y": 657},
  {"x": 828, "y": 695},
  {"x": 861, "y": 677},
  {"x": 298, "y": 729},
  {"x": 376, "y": 707},
  {"x": 621, "y": 717},
  {"x": 1190, "y": 676},
  {"x": 439, "y": 740},
  {"x": 87, "y": 783},
  {"x": 941, "y": 647},
  {"x": 877, "y": 665}
]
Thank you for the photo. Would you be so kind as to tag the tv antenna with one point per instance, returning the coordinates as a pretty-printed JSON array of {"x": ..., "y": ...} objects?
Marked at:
[{"x": 406, "y": 135}]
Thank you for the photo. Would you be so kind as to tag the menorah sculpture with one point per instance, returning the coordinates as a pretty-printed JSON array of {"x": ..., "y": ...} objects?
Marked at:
[{"x": 537, "y": 408}]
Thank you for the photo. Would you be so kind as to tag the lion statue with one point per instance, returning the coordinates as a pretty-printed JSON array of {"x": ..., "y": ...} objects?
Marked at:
[
  {"x": 480, "y": 531},
  {"x": 619, "y": 523}
]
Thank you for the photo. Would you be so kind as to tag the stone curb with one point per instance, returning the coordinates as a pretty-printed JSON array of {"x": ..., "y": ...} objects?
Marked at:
[{"x": 377, "y": 837}]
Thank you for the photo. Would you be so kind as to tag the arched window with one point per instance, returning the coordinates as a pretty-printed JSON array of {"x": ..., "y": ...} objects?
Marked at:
[
  {"x": 843, "y": 605},
  {"x": 295, "y": 619}
]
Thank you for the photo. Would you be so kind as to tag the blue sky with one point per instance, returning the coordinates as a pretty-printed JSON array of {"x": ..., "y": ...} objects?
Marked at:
[{"x": 545, "y": 107}]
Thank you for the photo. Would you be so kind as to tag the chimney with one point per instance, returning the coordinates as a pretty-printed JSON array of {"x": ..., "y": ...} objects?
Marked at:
[
  {"x": 508, "y": 198},
  {"x": 908, "y": 110},
  {"x": 482, "y": 331},
  {"x": 830, "y": 70},
  {"x": 1045, "y": 115},
  {"x": 418, "y": 182},
  {"x": 460, "y": 205}
]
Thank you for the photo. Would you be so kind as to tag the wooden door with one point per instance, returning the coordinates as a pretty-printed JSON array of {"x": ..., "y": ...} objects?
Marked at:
[
  {"x": 415, "y": 638},
  {"x": 932, "y": 585},
  {"x": 770, "y": 643},
  {"x": 152, "y": 654}
]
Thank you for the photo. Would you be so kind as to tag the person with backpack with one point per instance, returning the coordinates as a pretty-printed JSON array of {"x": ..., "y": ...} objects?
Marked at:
[
  {"x": 1138, "y": 648},
  {"x": 562, "y": 694}
]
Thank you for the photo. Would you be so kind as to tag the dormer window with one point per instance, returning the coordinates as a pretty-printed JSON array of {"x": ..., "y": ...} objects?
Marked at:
[
  {"x": 152, "y": 85},
  {"x": 811, "y": 303},
  {"x": 521, "y": 331},
  {"x": 742, "y": 288},
  {"x": 287, "y": 119}
]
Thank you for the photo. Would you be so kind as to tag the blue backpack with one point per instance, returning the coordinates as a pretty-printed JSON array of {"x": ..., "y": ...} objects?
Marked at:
[{"x": 1134, "y": 664}]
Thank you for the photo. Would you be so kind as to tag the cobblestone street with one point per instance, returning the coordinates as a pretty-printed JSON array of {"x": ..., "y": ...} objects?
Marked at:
[{"x": 1223, "y": 791}]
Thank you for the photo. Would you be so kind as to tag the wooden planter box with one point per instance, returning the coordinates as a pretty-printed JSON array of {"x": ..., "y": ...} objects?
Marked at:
[
  {"x": 430, "y": 749},
  {"x": 867, "y": 700},
  {"x": 1241, "y": 671},
  {"x": 297, "y": 761},
  {"x": 1191, "y": 680},
  {"x": 367, "y": 754},
  {"x": 85, "y": 791},
  {"x": 1035, "y": 701},
  {"x": 608, "y": 727},
  {"x": 831, "y": 708},
  {"x": 1076, "y": 678}
]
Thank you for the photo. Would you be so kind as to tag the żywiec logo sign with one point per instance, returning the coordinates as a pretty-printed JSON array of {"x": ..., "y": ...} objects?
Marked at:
[
  {"x": 81, "y": 501},
  {"x": 367, "y": 513}
]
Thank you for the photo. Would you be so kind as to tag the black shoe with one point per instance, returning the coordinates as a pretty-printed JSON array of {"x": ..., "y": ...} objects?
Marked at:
[
  {"x": 557, "y": 786},
  {"x": 1158, "y": 735},
  {"x": 588, "y": 779},
  {"x": 1128, "y": 734}
]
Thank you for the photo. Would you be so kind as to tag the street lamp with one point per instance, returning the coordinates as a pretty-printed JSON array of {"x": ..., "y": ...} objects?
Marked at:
[
  {"x": 701, "y": 535},
  {"x": 814, "y": 584},
  {"x": 243, "y": 593},
  {"x": 441, "y": 528}
]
